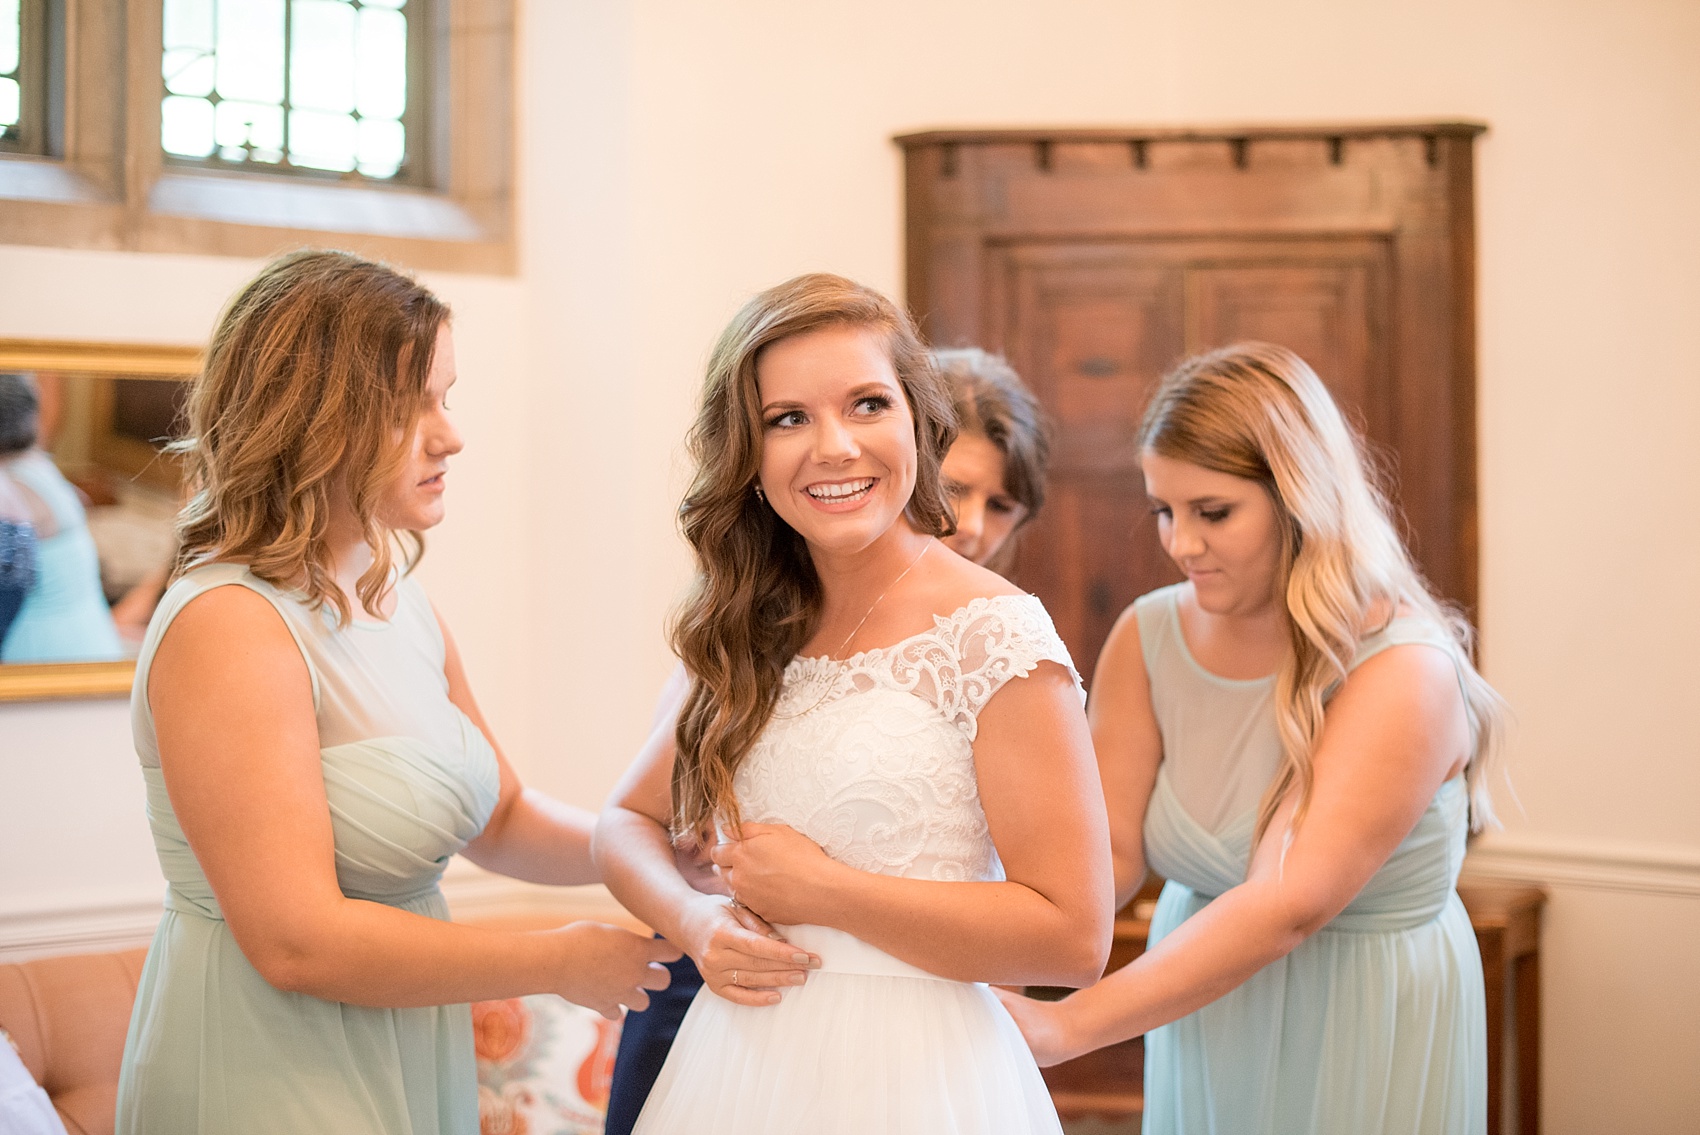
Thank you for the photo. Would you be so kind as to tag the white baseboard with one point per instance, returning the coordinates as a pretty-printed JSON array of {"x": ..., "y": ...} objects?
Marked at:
[
  {"x": 91, "y": 928},
  {"x": 98, "y": 924},
  {"x": 1670, "y": 871}
]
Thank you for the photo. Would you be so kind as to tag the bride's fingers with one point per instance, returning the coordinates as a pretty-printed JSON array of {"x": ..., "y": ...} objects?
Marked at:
[
  {"x": 742, "y": 995},
  {"x": 754, "y": 922},
  {"x": 757, "y": 944}
]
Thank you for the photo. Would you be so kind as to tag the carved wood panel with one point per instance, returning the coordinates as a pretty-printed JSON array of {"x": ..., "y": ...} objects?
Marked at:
[{"x": 1096, "y": 260}]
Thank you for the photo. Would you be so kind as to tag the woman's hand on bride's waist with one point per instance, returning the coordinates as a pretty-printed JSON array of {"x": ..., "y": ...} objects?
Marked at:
[{"x": 741, "y": 957}]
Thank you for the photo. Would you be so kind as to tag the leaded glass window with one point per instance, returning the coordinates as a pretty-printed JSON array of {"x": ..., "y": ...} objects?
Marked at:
[
  {"x": 23, "y": 89},
  {"x": 311, "y": 85}
]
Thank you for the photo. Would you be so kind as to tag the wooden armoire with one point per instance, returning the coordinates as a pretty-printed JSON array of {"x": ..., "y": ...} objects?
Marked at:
[{"x": 1096, "y": 259}]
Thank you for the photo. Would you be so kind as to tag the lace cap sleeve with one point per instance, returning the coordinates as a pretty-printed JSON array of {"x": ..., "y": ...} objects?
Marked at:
[{"x": 997, "y": 639}]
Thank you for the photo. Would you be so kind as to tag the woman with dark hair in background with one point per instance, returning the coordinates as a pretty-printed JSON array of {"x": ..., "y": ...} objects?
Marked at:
[
  {"x": 882, "y": 746},
  {"x": 994, "y": 475},
  {"x": 313, "y": 754},
  {"x": 1297, "y": 739},
  {"x": 63, "y": 616},
  {"x": 995, "y": 470}
]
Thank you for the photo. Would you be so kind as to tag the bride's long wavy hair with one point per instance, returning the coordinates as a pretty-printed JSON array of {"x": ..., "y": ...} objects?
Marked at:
[
  {"x": 312, "y": 384},
  {"x": 1258, "y": 411},
  {"x": 756, "y": 599}
]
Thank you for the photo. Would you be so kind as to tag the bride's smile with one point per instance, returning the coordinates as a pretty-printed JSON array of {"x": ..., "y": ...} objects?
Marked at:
[{"x": 838, "y": 438}]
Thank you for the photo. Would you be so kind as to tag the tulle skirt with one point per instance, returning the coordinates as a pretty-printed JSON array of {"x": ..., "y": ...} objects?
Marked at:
[{"x": 897, "y": 1052}]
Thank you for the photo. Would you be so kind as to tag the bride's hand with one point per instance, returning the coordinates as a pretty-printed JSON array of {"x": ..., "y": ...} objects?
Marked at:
[
  {"x": 741, "y": 957},
  {"x": 777, "y": 871},
  {"x": 1043, "y": 1025}
]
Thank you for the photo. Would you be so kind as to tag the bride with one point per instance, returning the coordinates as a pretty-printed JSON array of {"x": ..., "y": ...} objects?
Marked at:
[{"x": 893, "y": 817}]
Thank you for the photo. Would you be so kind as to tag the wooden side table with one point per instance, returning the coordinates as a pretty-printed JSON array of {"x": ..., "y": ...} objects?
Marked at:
[{"x": 1507, "y": 921}]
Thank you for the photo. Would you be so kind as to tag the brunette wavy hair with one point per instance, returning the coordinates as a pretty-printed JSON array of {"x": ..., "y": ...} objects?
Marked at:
[
  {"x": 992, "y": 402},
  {"x": 313, "y": 382},
  {"x": 1258, "y": 411},
  {"x": 757, "y": 598}
]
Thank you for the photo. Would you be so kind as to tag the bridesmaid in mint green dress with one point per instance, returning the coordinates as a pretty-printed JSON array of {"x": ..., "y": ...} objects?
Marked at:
[
  {"x": 1295, "y": 738},
  {"x": 313, "y": 755}
]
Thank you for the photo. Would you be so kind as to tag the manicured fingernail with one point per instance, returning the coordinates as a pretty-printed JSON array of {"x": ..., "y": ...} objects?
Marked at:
[
  {"x": 773, "y": 999},
  {"x": 802, "y": 959},
  {"x": 797, "y": 978}
]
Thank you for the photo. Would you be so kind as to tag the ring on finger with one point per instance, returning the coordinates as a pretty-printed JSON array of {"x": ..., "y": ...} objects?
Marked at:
[{"x": 734, "y": 977}]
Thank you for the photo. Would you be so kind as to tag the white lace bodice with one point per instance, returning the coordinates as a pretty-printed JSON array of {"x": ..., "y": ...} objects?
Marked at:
[{"x": 872, "y": 757}]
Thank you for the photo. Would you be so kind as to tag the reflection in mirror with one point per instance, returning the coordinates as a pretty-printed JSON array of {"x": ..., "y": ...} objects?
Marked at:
[{"x": 87, "y": 501}]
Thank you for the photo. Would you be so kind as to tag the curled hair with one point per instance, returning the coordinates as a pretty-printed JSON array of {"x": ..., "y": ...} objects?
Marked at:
[
  {"x": 992, "y": 402},
  {"x": 756, "y": 599},
  {"x": 313, "y": 382},
  {"x": 1257, "y": 411}
]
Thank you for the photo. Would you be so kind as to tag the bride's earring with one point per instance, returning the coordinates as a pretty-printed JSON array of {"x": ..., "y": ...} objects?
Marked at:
[{"x": 761, "y": 496}]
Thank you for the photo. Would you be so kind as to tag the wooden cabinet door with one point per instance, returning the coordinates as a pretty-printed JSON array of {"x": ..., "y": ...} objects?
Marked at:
[{"x": 1093, "y": 325}]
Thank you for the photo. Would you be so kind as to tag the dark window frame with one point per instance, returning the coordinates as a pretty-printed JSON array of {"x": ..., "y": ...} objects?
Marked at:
[{"x": 104, "y": 181}]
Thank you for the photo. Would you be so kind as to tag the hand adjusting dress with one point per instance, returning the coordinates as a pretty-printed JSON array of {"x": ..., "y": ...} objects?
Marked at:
[
  {"x": 1376, "y": 1025},
  {"x": 214, "y": 1049},
  {"x": 872, "y": 758}
]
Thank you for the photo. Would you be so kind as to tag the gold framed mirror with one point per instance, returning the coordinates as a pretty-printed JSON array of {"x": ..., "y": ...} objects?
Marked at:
[{"x": 95, "y": 480}]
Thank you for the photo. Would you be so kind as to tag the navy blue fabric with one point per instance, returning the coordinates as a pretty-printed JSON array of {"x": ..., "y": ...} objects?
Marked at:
[
  {"x": 645, "y": 1040},
  {"x": 17, "y": 570}
]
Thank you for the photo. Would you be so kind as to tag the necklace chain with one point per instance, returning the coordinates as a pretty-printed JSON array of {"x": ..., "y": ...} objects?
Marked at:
[
  {"x": 831, "y": 679},
  {"x": 858, "y": 627}
]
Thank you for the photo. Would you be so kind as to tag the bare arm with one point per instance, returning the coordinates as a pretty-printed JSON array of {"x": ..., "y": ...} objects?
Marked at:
[
  {"x": 642, "y": 869},
  {"x": 1394, "y": 733},
  {"x": 1047, "y": 923},
  {"x": 239, "y": 750},
  {"x": 1129, "y": 748},
  {"x": 531, "y": 835}
]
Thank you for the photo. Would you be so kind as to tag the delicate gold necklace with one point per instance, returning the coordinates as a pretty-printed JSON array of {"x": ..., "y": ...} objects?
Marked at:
[{"x": 831, "y": 676}]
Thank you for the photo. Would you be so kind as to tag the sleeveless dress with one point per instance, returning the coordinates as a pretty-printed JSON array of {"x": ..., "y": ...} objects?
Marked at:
[
  {"x": 64, "y": 616},
  {"x": 213, "y": 1048},
  {"x": 1377, "y": 1024},
  {"x": 872, "y": 758}
]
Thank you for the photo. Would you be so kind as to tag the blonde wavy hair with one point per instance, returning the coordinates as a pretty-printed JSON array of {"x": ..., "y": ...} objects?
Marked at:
[
  {"x": 1258, "y": 411},
  {"x": 757, "y": 599},
  {"x": 313, "y": 382}
]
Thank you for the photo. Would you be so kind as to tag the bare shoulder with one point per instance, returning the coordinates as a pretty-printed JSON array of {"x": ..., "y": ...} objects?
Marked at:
[
  {"x": 228, "y": 633},
  {"x": 1122, "y": 657},
  {"x": 1415, "y": 676},
  {"x": 952, "y": 582}
]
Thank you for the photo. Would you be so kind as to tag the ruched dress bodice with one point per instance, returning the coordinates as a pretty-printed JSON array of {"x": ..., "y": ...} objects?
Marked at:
[
  {"x": 1376, "y": 1024},
  {"x": 409, "y": 780},
  {"x": 873, "y": 758}
]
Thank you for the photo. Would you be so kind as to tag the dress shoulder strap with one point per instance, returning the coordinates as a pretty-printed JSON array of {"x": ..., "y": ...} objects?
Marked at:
[
  {"x": 1407, "y": 631},
  {"x": 188, "y": 587},
  {"x": 993, "y": 640},
  {"x": 1157, "y": 616}
]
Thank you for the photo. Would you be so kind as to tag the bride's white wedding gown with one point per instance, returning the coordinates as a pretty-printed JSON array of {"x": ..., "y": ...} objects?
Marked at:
[{"x": 872, "y": 758}]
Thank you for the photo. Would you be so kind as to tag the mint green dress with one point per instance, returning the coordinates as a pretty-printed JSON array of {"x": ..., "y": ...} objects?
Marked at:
[
  {"x": 1376, "y": 1025},
  {"x": 213, "y": 1049}
]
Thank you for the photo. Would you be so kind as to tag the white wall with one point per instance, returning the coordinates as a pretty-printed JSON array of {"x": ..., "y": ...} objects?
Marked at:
[{"x": 678, "y": 156}]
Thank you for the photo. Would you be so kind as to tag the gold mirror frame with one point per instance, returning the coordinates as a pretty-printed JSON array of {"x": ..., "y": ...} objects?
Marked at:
[{"x": 60, "y": 680}]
